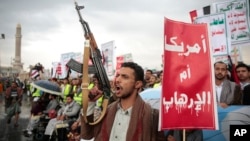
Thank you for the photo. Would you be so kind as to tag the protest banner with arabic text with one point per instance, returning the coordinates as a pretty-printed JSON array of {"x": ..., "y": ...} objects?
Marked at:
[
  {"x": 220, "y": 39},
  {"x": 108, "y": 55},
  {"x": 188, "y": 95},
  {"x": 237, "y": 18}
]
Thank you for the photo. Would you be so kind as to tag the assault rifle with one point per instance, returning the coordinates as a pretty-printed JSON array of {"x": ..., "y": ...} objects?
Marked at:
[{"x": 92, "y": 52}]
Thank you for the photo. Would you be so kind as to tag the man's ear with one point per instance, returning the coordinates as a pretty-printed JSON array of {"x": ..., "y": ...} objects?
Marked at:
[{"x": 138, "y": 84}]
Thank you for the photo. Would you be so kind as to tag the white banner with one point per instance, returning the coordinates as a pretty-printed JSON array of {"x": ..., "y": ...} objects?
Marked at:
[
  {"x": 218, "y": 33},
  {"x": 237, "y": 19},
  {"x": 108, "y": 55}
]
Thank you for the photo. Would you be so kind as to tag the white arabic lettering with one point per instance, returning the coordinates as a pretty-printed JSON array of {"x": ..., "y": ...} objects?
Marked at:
[
  {"x": 185, "y": 74},
  {"x": 168, "y": 104},
  {"x": 204, "y": 44},
  {"x": 182, "y": 101},
  {"x": 174, "y": 47},
  {"x": 180, "y": 48}
]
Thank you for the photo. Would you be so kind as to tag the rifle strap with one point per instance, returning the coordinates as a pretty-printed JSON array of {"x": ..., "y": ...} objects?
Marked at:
[
  {"x": 85, "y": 80},
  {"x": 85, "y": 90},
  {"x": 104, "y": 107}
]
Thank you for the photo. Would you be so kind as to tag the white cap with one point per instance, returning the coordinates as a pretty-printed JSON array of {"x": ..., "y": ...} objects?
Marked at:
[{"x": 35, "y": 99}]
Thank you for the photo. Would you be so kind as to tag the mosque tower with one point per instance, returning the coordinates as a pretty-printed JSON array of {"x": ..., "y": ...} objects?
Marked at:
[{"x": 17, "y": 60}]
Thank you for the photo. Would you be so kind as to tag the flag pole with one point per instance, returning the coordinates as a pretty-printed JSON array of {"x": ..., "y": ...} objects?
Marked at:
[{"x": 184, "y": 135}]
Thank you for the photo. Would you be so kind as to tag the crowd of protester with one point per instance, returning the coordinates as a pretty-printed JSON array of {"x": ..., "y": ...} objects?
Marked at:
[{"x": 64, "y": 112}]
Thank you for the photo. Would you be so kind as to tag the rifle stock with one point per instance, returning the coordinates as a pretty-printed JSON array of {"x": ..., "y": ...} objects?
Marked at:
[
  {"x": 94, "y": 54},
  {"x": 85, "y": 81}
]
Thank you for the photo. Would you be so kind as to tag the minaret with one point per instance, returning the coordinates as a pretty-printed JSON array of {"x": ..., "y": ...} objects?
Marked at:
[{"x": 17, "y": 60}]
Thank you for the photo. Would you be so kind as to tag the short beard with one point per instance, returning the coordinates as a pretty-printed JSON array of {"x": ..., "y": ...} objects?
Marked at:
[
  {"x": 126, "y": 96},
  {"x": 220, "y": 78}
]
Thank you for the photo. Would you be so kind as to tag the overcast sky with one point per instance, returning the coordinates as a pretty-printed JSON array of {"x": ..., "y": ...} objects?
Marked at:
[{"x": 52, "y": 27}]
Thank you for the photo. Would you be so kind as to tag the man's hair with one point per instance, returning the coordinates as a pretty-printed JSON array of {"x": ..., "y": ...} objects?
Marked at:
[
  {"x": 70, "y": 95},
  {"x": 15, "y": 82},
  {"x": 138, "y": 71},
  {"x": 220, "y": 62},
  {"x": 148, "y": 70},
  {"x": 242, "y": 65},
  {"x": 53, "y": 95}
]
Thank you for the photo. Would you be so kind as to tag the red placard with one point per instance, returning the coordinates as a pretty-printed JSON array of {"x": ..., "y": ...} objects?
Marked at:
[{"x": 188, "y": 86}]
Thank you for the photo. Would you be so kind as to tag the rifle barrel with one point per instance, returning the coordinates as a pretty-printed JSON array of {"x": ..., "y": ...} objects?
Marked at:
[{"x": 96, "y": 59}]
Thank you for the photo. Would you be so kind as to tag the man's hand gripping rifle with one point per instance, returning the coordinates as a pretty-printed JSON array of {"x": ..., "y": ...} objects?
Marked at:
[{"x": 91, "y": 51}]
